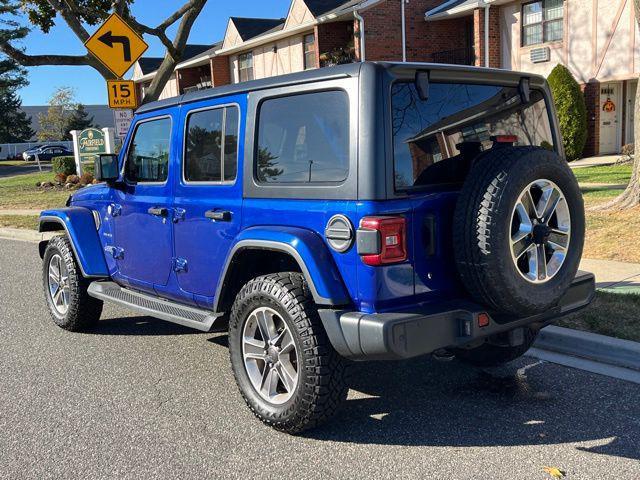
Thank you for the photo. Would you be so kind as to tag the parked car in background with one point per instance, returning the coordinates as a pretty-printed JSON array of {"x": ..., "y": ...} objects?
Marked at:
[{"x": 46, "y": 153}]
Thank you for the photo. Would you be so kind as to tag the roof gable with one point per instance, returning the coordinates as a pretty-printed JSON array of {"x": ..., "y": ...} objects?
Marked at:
[
  {"x": 249, "y": 28},
  {"x": 320, "y": 7},
  {"x": 298, "y": 14},
  {"x": 149, "y": 64}
]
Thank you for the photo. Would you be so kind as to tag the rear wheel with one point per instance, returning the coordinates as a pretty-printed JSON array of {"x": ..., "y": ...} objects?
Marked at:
[
  {"x": 65, "y": 289},
  {"x": 285, "y": 367}
]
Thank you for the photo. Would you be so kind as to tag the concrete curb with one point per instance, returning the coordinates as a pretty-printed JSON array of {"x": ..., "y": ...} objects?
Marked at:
[
  {"x": 585, "y": 187},
  {"x": 590, "y": 346},
  {"x": 24, "y": 235}
]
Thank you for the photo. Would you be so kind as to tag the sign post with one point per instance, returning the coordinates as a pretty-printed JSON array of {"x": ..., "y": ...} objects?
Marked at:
[{"x": 117, "y": 46}]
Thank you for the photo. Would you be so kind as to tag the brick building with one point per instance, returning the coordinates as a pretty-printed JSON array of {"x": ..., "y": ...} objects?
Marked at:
[{"x": 595, "y": 39}]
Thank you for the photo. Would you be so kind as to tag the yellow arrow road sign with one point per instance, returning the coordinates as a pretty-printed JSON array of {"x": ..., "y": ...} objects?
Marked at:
[{"x": 116, "y": 45}]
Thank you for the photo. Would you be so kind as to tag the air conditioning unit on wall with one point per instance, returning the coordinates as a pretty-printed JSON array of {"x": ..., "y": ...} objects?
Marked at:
[{"x": 540, "y": 55}]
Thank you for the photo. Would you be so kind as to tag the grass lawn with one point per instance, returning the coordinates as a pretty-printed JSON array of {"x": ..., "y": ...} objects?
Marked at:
[
  {"x": 612, "y": 314},
  {"x": 19, "y": 221},
  {"x": 611, "y": 235},
  {"x": 21, "y": 192},
  {"x": 604, "y": 174}
]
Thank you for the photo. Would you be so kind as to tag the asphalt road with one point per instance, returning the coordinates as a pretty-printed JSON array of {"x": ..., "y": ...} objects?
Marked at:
[
  {"x": 31, "y": 167},
  {"x": 141, "y": 398}
]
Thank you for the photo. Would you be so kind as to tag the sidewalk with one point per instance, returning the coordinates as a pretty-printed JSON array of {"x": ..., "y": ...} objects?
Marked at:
[
  {"x": 10, "y": 211},
  {"x": 614, "y": 276},
  {"x": 602, "y": 186},
  {"x": 594, "y": 161}
]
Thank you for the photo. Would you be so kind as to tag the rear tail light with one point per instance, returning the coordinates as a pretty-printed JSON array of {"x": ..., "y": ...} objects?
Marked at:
[{"x": 382, "y": 240}]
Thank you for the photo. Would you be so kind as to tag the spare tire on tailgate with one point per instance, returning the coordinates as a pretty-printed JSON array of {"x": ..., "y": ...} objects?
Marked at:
[{"x": 519, "y": 229}]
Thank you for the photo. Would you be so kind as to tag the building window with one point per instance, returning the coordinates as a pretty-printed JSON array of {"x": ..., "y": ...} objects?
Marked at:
[
  {"x": 309, "y": 51},
  {"x": 542, "y": 22},
  {"x": 245, "y": 67}
]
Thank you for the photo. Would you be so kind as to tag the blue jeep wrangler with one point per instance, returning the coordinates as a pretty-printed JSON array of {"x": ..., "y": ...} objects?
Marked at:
[{"x": 369, "y": 211}]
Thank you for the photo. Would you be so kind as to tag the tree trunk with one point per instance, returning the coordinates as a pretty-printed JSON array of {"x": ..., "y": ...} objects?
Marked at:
[{"x": 631, "y": 196}]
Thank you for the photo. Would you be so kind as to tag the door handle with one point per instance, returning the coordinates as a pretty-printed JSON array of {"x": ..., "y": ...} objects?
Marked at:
[
  {"x": 218, "y": 215},
  {"x": 158, "y": 211}
]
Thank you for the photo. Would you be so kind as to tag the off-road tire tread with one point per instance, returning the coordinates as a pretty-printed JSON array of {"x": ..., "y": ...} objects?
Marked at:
[
  {"x": 84, "y": 311},
  {"x": 326, "y": 388}
]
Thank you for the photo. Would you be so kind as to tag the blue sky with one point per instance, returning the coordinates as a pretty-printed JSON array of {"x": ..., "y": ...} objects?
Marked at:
[{"x": 89, "y": 86}]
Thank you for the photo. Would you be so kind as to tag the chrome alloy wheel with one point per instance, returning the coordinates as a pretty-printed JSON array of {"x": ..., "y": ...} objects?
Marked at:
[
  {"x": 540, "y": 231},
  {"x": 58, "y": 283},
  {"x": 270, "y": 355}
]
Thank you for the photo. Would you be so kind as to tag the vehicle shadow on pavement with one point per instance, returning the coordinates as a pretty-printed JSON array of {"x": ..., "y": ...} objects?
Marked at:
[
  {"x": 528, "y": 402},
  {"x": 140, "y": 326}
]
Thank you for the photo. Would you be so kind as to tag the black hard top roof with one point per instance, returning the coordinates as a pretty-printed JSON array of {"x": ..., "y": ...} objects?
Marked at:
[{"x": 328, "y": 73}]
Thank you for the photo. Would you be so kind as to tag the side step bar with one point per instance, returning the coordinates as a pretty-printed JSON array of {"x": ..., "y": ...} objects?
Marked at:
[{"x": 153, "y": 306}]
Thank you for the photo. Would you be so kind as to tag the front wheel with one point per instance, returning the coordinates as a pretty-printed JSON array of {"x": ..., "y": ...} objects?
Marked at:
[
  {"x": 286, "y": 369},
  {"x": 65, "y": 289}
]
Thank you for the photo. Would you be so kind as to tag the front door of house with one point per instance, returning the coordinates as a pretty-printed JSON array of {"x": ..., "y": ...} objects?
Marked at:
[{"x": 610, "y": 107}]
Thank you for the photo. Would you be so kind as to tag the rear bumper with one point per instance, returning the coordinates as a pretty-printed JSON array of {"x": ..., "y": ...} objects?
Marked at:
[{"x": 399, "y": 335}]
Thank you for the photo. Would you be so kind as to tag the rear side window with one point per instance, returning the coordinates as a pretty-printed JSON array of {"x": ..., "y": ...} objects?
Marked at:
[
  {"x": 304, "y": 139},
  {"x": 436, "y": 140},
  {"x": 148, "y": 157},
  {"x": 211, "y": 150}
]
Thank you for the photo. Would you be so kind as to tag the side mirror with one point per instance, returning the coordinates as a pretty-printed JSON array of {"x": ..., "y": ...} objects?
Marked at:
[{"x": 106, "y": 168}]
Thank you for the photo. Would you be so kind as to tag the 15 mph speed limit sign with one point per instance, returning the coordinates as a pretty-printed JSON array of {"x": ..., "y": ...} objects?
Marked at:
[{"x": 122, "y": 94}]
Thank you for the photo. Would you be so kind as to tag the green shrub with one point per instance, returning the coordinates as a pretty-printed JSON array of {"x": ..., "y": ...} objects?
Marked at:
[
  {"x": 571, "y": 109},
  {"x": 64, "y": 165}
]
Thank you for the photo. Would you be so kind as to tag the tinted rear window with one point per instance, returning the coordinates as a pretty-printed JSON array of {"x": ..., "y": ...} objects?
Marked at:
[
  {"x": 436, "y": 140},
  {"x": 304, "y": 139}
]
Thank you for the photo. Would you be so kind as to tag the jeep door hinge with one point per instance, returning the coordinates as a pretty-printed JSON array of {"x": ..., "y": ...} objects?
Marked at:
[
  {"x": 178, "y": 214},
  {"x": 179, "y": 265},
  {"x": 115, "y": 210},
  {"x": 116, "y": 252}
]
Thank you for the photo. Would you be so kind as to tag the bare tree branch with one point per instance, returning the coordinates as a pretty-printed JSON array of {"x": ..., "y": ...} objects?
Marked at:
[
  {"x": 179, "y": 43},
  {"x": 61, "y": 60},
  {"x": 177, "y": 15},
  {"x": 71, "y": 14},
  {"x": 119, "y": 7},
  {"x": 68, "y": 11},
  {"x": 160, "y": 34}
]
